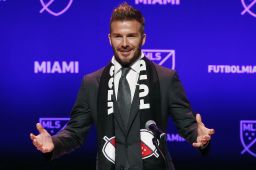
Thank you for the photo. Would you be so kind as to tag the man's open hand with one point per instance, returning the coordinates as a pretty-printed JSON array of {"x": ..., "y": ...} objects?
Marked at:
[
  {"x": 203, "y": 133},
  {"x": 43, "y": 141}
]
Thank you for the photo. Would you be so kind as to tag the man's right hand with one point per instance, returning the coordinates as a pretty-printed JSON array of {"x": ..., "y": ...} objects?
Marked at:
[{"x": 43, "y": 141}]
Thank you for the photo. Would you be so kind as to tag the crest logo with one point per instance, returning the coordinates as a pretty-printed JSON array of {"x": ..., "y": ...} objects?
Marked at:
[
  {"x": 47, "y": 5},
  {"x": 109, "y": 148},
  {"x": 148, "y": 149},
  {"x": 162, "y": 57},
  {"x": 249, "y": 7},
  {"x": 53, "y": 125},
  {"x": 248, "y": 136}
]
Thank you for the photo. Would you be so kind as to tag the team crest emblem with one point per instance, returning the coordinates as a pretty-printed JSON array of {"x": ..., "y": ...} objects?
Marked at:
[
  {"x": 109, "y": 148},
  {"x": 148, "y": 149},
  {"x": 248, "y": 136}
]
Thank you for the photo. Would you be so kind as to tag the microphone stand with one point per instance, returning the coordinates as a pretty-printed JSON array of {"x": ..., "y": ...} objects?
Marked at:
[{"x": 162, "y": 140}]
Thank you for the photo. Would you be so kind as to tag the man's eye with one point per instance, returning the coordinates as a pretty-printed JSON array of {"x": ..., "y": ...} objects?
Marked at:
[{"x": 133, "y": 36}]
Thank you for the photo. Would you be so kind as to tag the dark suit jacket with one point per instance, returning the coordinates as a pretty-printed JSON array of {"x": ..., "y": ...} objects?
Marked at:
[{"x": 173, "y": 102}]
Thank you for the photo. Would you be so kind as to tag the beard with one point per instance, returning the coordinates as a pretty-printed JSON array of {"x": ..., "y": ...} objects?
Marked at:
[{"x": 129, "y": 61}]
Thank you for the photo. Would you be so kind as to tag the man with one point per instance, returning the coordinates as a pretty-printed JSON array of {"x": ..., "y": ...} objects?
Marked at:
[{"x": 120, "y": 99}]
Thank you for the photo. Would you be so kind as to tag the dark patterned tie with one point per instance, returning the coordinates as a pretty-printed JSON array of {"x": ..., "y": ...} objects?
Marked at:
[{"x": 124, "y": 96}]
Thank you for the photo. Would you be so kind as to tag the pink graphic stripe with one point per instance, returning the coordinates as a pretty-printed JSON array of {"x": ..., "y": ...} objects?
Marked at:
[
  {"x": 248, "y": 7},
  {"x": 45, "y": 6}
]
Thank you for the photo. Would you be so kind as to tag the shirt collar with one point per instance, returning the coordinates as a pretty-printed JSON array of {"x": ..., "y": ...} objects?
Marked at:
[{"x": 135, "y": 66}]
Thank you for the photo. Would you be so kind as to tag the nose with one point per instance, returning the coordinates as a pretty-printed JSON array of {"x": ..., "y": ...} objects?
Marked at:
[{"x": 124, "y": 42}]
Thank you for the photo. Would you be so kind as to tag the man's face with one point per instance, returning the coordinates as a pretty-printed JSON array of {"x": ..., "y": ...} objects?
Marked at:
[{"x": 126, "y": 40}]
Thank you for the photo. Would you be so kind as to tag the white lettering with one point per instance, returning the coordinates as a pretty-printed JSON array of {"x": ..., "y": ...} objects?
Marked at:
[
  {"x": 56, "y": 67},
  {"x": 144, "y": 91},
  {"x": 51, "y": 124},
  {"x": 140, "y": 1},
  {"x": 111, "y": 82},
  {"x": 143, "y": 77},
  {"x": 142, "y": 65},
  {"x": 254, "y": 69},
  {"x": 160, "y": 2},
  {"x": 157, "y": 1},
  {"x": 144, "y": 105},
  {"x": 67, "y": 67},
  {"x": 39, "y": 67},
  {"x": 249, "y": 127},
  {"x": 110, "y": 108},
  {"x": 175, "y": 138},
  {"x": 110, "y": 93},
  {"x": 232, "y": 69},
  {"x": 48, "y": 67},
  {"x": 112, "y": 71}
]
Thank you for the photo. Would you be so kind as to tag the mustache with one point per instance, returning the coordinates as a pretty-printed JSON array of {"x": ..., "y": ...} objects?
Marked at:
[{"x": 124, "y": 49}]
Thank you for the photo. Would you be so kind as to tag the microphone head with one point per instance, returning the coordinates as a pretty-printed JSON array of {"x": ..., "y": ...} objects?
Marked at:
[{"x": 148, "y": 123}]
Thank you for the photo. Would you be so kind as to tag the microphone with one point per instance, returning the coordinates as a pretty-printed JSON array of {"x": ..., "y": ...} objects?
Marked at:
[{"x": 158, "y": 133}]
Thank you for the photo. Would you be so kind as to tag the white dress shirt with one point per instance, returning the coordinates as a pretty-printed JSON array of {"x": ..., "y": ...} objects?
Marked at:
[{"x": 132, "y": 76}]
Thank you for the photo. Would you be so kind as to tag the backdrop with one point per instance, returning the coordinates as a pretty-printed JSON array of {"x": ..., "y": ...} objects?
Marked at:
[{"x": 47, "y": 46}]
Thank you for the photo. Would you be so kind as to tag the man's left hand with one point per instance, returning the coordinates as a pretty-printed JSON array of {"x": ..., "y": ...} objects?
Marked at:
[{"x": 203, "y": 133}]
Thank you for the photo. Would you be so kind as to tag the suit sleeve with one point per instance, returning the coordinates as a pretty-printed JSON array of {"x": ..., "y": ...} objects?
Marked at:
[
  {"x": 180, "y": 110},
  {"x": 80, "y": 122}
]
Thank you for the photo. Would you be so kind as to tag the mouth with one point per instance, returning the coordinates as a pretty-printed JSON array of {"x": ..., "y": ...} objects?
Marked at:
[{"x": 125, "y": 53}]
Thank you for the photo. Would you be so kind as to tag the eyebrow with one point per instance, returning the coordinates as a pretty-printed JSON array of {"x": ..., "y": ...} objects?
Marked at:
[{"x": 129, "y": 34}]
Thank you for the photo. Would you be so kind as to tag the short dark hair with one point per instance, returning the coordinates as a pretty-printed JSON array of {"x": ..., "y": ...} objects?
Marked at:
[{"x": 126, "y": 12}]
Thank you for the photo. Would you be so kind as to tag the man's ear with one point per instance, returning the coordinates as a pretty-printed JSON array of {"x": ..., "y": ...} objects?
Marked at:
[
  {"x": 143, "y": 39},
  {"x": 109, "y": 39}
]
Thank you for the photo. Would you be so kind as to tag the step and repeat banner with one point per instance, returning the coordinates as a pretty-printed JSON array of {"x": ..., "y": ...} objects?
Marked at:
[{"x": 46, "y": 46}]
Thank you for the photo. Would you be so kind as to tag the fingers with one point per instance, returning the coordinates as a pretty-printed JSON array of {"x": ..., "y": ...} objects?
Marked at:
[
  {"x": 40, "y": 128},
  {"x": 37, "y": 144},
  {"x": 32, "y": 136},
  {"x": 45, "y": 150},
  {"x": 34, "y": 140},
  {"x": 211, "y": 131},
  {"x": 199, "y": 119},
  {"x": 204, "y": 138},
  {"x": 197, "y": 144},
  {"x": 40, "y": 146},
  {"x": 42, "y": 141},
  {"x": 202, "y": 141},
  {"x": 200, "y": 144}
]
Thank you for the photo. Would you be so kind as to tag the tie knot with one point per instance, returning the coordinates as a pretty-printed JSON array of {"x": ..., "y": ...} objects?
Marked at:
[{"x": 125, "y": 71}]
